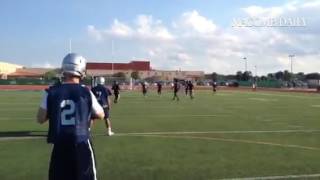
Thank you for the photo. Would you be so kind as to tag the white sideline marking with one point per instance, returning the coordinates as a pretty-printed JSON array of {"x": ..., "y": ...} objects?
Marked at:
[
  {"x": 178, "y": 132},
  {"x": 286, "y": 95},
  {"x": 263, "y": 99},
  {"x": 278, "y": 177},
  {"x": 147, "y": 116},
  {"x": 20, "y": 138},
  {"x": 295, "y": 126},
  {"x": 266, "y": 120},
  {"x": 15, "y": 118},
  {"x": 189, "y": 115},
  {"x": 219, "y": 132},
  {"x": 19, "y": 109},
  {"x": 234, "y": 141}
]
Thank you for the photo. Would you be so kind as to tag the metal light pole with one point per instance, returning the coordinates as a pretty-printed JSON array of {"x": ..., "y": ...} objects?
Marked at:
[
  {"x": 290, "y": 57},
  {"x": 245, "y": 63},
  {"x": 291, "y": 77},
  {"x": 70, "y": 45},
  {"x": 112, "y": 55},
  {"x": 255, "y": 69}
]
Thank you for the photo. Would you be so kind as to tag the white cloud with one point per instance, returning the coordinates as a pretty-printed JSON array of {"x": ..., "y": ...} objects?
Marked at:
[
  {"x": 120, "y": 29},
  {"x": 197, "y": 22},
  {"x": 194, "y": 42},
  {"x": 93, "y": 32},
  {"x": 147, "y": 27},
  {"x": 311, "y": 4},
  {"x": 257, "y": 11}
]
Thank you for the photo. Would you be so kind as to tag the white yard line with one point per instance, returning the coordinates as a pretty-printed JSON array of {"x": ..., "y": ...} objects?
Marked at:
[
  {"x": 302, "y": 176},
  {"x": 286, "y": 95},
  {"x": 263, "y": 99},
  {"x": 21, "y": 138},
  {"x": 233, "y": 141},
  {"x": 219, "y": 132},
  {"x": 176, "y": 133},
  {"x": 16, "y": 118}
]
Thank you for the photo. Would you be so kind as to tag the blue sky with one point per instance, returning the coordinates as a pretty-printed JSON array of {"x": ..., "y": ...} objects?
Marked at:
[{"x": 36, "y": 33}]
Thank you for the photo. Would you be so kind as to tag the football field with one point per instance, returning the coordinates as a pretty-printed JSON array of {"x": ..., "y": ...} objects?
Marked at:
[{"x": 227, "y": 135}]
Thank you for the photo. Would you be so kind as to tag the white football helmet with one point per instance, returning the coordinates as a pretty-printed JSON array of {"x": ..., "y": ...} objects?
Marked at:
[
  {"x": 74, "y": 64},
  {"x": 100, "y": 80}
]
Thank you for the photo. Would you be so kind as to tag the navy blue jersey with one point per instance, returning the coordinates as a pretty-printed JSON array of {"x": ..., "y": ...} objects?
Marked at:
[
  {"x": 144, "y": 87},
  {"x": 69, "y": 112},
  {"x": 190, "y": 86},
  {"x": 176, "y": 86},
  {"x": 102, "y": 93},
  {"x": 116, "y": 88}
]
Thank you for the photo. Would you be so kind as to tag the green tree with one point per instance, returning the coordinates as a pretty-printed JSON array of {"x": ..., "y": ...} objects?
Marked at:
[
  {"x": 300, "y": 76},
  {"x": 270, "y": 76},
  {"x": 51, "y": 74},
  {"x": 287, "y": 75},
  {"x": 246, "y": 76},
  {"x": 279, "y": 75},
  {"x": 135, "y": 75},
  {"x": 239, "y": 75},
  {"x": 264, "y": 78},
  {"x": 214, "y": 76},
  {"x": 313, "y": 76},
  {"x": 119, "y": 74}
]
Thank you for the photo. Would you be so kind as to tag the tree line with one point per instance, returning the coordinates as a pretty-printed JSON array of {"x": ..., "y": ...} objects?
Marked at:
[{"x": 279, "y": 75}]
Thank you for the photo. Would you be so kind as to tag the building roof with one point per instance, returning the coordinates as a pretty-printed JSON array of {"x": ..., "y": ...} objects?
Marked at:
[
  {"x": 133, "y": 65},
  {"x": 29, "y": 72}
]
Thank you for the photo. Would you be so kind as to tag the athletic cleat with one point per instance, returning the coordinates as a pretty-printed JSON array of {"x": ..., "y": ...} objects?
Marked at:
[{"x": 110, "y": 133}]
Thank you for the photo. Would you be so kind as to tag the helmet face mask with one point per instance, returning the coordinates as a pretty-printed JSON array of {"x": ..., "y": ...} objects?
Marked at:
[{"x": 74, "y": 64}]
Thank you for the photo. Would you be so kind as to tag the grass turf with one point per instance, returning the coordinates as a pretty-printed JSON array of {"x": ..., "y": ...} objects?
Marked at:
[{"x": 212, "y": 155}]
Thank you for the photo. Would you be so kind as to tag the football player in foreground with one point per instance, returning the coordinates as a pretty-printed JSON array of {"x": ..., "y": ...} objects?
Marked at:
[{"x": 69, "y": 107}]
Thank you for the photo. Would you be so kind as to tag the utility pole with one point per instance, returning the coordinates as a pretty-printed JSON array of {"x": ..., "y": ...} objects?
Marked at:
[
  {"x": 290, "y": 57},
  {"x": 291, "y": 77},
  {"x": 245, "y": 64},
  {"x": 70, "y": 45},
  {"x": 255, "y": 69},
  {"x": 112, "y": 54}
]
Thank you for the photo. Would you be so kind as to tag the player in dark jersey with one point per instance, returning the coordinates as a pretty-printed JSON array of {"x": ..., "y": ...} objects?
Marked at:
[
  {"x": 116, "y": 91},
  {"x": 214, "y": 86},
  {"x": 190, "y": 89},
  {"x": 144, "y": 88},
  {"x": 176, "y": 88},
  {"x": 103, "y": 94},
  {"x": 159, "y": 87},
  {"x": 186, "y": 87},
  {"x": 68, "y": 108},
  {"x": 254, "y": 85}
]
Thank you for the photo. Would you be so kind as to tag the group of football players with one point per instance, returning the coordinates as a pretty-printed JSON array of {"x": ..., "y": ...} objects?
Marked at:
[{"x": 70, "y": 108}]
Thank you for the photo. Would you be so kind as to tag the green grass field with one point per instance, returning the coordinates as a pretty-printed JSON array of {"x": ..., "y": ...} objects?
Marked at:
[{"x": 227, "y": 135}]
